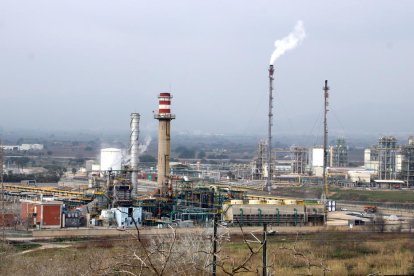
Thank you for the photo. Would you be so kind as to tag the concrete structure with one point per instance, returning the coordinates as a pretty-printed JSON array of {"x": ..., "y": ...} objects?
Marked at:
[
  {"x": 31, "y": 147},
  {"x": 164, "y": 117},
  {"x": 128, "y": 216},
  {"x": 316, "y": 158},
  {"x": 89, "y": 164},
  {"x": 360, "y": 176},
  {"x": 11, "y": 147},
  {"x": 389, "y": 184},
  {"x": 371, "y": 159},
  {"x": 111, "y": 159},
  {"x": 23, "y": 147},
  {"x": 134, "y": 151},
  {"x": 42, "y": 214},
  {"x": 275, "y": 213}
]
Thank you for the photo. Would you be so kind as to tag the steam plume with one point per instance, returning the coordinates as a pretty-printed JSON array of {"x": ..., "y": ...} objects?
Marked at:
[
  {"x": 143, "y": 147},
  {"x": 289, "y": 42}
]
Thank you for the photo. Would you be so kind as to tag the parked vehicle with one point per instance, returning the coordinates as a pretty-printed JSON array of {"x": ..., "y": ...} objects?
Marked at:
[{"x": 370, "y": 209}]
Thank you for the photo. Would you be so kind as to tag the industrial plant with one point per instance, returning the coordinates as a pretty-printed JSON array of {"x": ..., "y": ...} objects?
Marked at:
[{"x": 117, "y": 191}]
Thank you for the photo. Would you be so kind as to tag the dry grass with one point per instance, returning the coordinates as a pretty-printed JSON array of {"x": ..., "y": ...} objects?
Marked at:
[
  {"x": 341, "y": 253},
  {"x": 342, "y": 256}
]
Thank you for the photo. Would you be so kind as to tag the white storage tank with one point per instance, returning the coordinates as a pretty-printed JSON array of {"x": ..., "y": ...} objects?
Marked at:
[{"x": 111, "y": 159}]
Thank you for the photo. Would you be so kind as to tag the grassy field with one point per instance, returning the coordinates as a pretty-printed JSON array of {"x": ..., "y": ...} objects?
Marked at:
[
  {"x": 312, "y": 254},
  {"x": 374, "y": 196},
  {"x": 337, "y": 254},
  {"x": 352, "y": 195}
]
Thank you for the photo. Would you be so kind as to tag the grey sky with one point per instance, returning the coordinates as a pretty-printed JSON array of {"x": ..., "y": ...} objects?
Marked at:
[{"x": 89, "y": 64}]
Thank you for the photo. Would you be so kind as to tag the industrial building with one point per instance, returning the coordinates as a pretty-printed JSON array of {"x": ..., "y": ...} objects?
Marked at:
[
  {"x": 23, "y": 147},
  {"x": 259, "y": 163},
  {"x": 387, "y": 151},
  {"x": 407, "y": 166},
  {"x": 339, "y": 154},
  {"x": 42, "y": 214},
  {"x": 300, "y": 159},
  {"x": 114, "y": 197},
  {"x": 273, "y": 211}
]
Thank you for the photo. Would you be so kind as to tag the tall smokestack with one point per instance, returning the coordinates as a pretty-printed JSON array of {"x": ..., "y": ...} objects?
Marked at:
[
  {"x": 269, "y": 138},
  {"x": 164, "y": 117},
  {"x": 134, "y": 150}
]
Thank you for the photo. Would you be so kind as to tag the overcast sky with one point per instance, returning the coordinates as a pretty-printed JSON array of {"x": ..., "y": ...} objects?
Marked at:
[{"x": 89, "y": 64}]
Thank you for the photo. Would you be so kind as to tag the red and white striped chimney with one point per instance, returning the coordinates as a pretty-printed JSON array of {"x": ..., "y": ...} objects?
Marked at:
[{"x": 164, "y": 103}]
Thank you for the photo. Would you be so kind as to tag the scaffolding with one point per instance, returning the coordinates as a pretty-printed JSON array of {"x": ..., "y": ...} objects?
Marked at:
[
  {"x": 387, "y": 148},
  {"x": 299, "y": 159},
  {"x": 407, "y": 166},
  {"x": 339, "y": 154},
  {"x": 259, "y": 163}
]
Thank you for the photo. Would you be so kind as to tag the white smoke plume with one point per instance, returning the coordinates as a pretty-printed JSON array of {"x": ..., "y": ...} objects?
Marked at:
[
  {"x": 143, "y": 147},
  {"x": 289, "y": 42}
]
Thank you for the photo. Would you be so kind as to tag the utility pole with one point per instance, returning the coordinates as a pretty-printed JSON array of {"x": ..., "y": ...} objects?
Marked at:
[
  {"x": 215, "y": 245},
  {"x": 264, "y": 248},
  {"x": 269, "y": 138},
  {"x": 3, "y": 209},
  {"x": 325, "y": 151}
]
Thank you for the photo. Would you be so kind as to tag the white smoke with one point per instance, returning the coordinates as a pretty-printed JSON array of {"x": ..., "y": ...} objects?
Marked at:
[
  {"x": 289, "y": 42},
  {"x": 143, "y": 147}
]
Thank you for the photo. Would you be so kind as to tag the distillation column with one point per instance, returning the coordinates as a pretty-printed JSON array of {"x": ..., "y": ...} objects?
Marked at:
[
  {"x": 134, "y": 150},
  {"x": 164, "y": 117}
]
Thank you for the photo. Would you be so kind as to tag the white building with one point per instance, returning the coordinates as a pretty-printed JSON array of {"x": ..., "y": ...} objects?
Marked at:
[
  {"x": 317, "y": 160},
  {"x": 371, "y": 160},
  {"x": 24, "y": 147},
  {"x": 125, "y": 216}
]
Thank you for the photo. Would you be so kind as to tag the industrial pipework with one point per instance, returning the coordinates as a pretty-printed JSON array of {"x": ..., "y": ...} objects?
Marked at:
[
  {"x": 134, "y": 151},
  {"x": 164, "y": 117}
]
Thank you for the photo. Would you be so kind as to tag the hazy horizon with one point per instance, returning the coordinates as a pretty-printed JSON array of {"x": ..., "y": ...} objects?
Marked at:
[{"x": 75, "y": 65}]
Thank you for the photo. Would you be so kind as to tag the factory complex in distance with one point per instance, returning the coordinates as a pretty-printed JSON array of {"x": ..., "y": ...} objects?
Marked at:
[{"x": 118, "y": 196}]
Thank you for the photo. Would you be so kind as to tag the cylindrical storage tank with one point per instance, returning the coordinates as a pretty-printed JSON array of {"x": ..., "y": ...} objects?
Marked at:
[
  {"x": 254, "y": 201},
  {"x": 289, "y": 201},
  {"x": 274, "y": 201},
  {"x": 236, "y": 201},
  {"x": 111, "y": 159}
]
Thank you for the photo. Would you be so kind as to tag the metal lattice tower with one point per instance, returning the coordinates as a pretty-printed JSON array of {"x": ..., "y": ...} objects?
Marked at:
[
  {"x": 339, "y": 154},
  {"x": 387, "y": 148},
  {"x": 325, "y": 137},
  {"x": 269, "y": 138},
  {"x": 407, "y": 166},
  {"x": 259, "y": 162},
  {"x": 299, "y": 159},
  {"x": 3, "y": 210}
]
